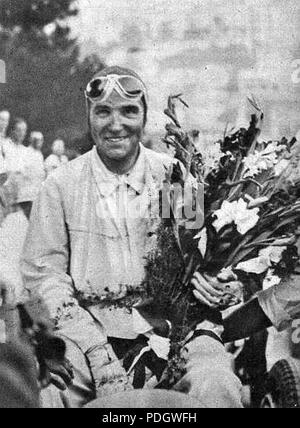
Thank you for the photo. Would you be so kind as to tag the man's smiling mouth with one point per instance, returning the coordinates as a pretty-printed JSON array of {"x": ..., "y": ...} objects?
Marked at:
[{"x": 116, "y": 139}]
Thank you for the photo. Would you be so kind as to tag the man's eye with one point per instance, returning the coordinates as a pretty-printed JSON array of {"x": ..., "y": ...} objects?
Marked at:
[
  {"x": 131, "y": 110},
  {"x": 102, "y": 111}
]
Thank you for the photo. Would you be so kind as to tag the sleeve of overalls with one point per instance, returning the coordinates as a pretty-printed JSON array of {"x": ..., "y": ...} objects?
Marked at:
[{"x": 45, "y": 269}]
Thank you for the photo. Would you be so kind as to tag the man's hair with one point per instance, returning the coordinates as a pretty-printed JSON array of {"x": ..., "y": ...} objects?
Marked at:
[
  {"x": 14, "y": 123},
  {"x": 122, "y": 71}
]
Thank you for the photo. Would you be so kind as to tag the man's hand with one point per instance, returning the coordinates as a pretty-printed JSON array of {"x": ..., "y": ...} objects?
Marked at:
[
  {"x": 217, "y": 293},
  {"x": 55, "y": 368},
  {"x": 208, "y": 290},
  {"x": 49, "y": 349},
  {"x": 60, "y": 374}
]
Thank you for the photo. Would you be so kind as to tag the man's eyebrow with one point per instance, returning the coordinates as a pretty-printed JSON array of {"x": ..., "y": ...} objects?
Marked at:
[
  {"x": 102, "y": 106},
  {"x": 131, "y": 106}
]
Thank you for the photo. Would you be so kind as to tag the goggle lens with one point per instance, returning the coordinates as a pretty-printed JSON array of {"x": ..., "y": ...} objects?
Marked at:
[
  {"x": 95, "y": 88},
  {"x": 131, "y": 86}
]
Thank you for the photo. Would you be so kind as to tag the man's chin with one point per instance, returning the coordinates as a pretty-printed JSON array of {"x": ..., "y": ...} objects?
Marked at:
[
  {"x": 118, "y": 151},
  {"x": 117, "y": 155}
]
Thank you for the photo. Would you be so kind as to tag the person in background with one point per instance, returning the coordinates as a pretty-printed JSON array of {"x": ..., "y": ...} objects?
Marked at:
[
  {"x": 57, "y": 158},
  {"x": 15, "y": 151},
  {"x": 15, "y": 155},
  {"x": 35, "y": 167},
  {"x": 16, "y": 160},
  {"x": 13, "y": 201},
  {"x": 4, "y": 122}
]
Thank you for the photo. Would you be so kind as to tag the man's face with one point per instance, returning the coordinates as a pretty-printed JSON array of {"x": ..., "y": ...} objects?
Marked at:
[
  {"x": 39, "y": 142},
  {"x": 4, "y": 121},
  {"x": 58, "y": 148},
  {"x": 19, "y": 132},
  {"x": 117, "y": 126}
]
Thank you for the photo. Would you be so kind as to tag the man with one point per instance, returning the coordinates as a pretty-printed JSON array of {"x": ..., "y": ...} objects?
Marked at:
[
  {"x": 12, "y": 220},
  {"x": 4, "y": 122},
  {"x": 57, "y": 158},
  {"x": 18, "y": 165},
  {"x": 15, "y": 151},
  {"x": 82, "y": 239},
  {"x": 35, "y": 168}
]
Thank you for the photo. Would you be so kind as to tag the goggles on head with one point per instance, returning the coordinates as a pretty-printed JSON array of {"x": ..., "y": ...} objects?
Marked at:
[{"x": 128, "y": 87}]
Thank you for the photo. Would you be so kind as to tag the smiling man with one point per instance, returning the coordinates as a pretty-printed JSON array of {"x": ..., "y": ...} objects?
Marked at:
[
  {"x": 89, "y": 235},
  {"x": 82, "y": 240}
]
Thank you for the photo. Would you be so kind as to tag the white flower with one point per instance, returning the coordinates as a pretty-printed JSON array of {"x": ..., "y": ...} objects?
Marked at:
[
  {"x": 236, "y": 212},
  {"x": 273, "y": 253},
  {"x": 245, "y": 219},
  {"x": 257, "y": 265},
  {"x": 272, "y": 147},
  {"x": 266, "y": 258},
  {"x": 202, "y": 244},
  {"x": 271, "y": 280},
  {"x": 263, "y": 160},
  {"x": 225, "y": 215},
  {"x": 255, "y": 163}
]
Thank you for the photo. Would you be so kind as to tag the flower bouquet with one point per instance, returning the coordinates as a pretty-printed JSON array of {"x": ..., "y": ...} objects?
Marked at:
[
  {"x": 248, "y": 231},
  {"x": 231, "y": 214}
]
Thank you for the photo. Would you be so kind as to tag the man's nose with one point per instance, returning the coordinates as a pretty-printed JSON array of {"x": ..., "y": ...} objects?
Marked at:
[{"x": 116, "y": 122}]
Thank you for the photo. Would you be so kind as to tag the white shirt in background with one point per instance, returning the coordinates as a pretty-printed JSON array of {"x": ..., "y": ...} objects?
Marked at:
[
  {"x": 4, "y": 142},
  {"x": 53, "y": 161},
  {"x": 15, "y": 156},
  {"x": 34, "y": 174}
]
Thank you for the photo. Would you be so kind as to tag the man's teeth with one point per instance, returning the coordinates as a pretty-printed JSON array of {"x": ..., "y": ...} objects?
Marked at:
[{"x": 114, "y": 140}]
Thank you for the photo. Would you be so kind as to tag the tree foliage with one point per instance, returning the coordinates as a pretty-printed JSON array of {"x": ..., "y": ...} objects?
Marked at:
[
  {"x": 28, "y": 14},
  {"x": 45, "y": 76}
]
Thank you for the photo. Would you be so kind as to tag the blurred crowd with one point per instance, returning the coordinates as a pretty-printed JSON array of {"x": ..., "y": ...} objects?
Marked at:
[
  {"x": 22, "y": 161},
  {"x": 23, "y": 169}
]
